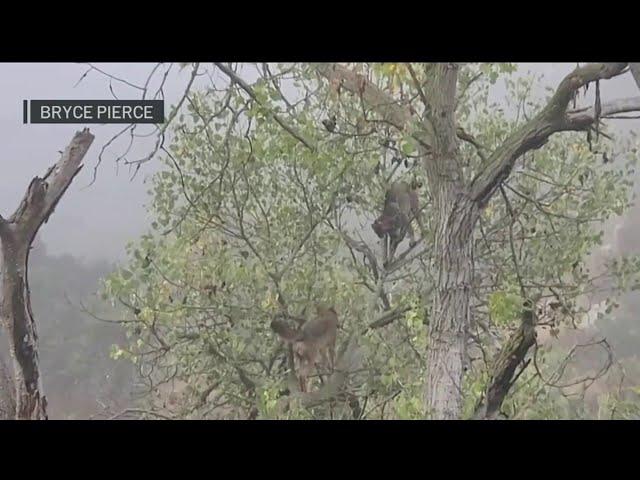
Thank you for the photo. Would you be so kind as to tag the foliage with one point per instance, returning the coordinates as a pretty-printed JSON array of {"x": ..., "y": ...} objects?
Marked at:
[{"x": 250, "y": 221}]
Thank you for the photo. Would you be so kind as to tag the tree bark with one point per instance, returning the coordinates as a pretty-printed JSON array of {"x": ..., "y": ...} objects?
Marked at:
[
  {"x": 503, "y": 371},
  {"x": 7, "y": 400},
  {"x": 453, "y": 247},
  {"x": 16, "y": 235},
  {"x": 450, "y": 317}
]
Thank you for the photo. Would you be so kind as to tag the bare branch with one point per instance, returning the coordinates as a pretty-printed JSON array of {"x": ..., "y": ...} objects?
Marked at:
[
  {"x": 109, "y": 76},
  {"x": 172, "y": 115},
  {"x": 388, "y": 317},
  {"x": 580, "y": 119},
  {"x": 139, "y": 411},
  {"x": 418, "y": 86},
  {"x": 462, "y": 135},
  {"x": 44, "y": 193}
]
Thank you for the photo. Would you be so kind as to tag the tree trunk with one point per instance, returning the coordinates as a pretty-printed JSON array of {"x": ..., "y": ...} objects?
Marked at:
[
  {"x": 453, "y": 247},
  {"x": 450, "y": 316},
  {"x": 23, "y": 338},
  {"x": 16, "y": 234}
]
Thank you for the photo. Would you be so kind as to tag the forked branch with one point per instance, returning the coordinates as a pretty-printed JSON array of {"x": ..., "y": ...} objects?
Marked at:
[{"x": 551, "y": 119}]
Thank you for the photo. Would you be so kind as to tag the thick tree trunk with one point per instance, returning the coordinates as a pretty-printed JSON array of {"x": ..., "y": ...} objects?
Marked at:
[
  {"x": 453, "y": 247},
  {"x": 450, "y": 316},
  {"x": 21, "y": 329},
  {"x": 16, "y": 234}
]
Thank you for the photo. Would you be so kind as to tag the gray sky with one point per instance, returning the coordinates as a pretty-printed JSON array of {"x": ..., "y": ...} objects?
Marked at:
[
  {"x": 97, "y": 222},
  {"x": 91, "y": 222}
]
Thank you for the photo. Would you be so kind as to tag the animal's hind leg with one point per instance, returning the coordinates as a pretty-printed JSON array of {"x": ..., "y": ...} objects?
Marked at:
[
  {"x": 412, "y": 235},
  {"x": 331, "y": 352},
  {"x": 328, "y": 357},
  {"x": 386, "y": 246}
]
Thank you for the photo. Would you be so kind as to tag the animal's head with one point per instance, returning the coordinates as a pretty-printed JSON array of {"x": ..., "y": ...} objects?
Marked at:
[
  {"x": 284, "y": 331},
  {"x": 382, "y": 226},
  {"x": 325, "y": 310}
]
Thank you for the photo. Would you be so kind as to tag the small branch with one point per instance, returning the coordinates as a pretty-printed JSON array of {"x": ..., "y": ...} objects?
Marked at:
[
  {"x": 363, "y": 248},
  {"x": 247, "y": 88},
  {"x": 387, "y": 318},
  {"x": 140, "y": 411},
  {"x": 535, "y": 133},
  {"x": 416, "y": 83},
  {"x": 462, "y": 135},
  {"x": 165, "y": 126},
  {"x": 584, "y": 118}
]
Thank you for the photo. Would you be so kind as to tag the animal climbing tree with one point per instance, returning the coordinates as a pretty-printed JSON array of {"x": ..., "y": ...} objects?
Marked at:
[{"x": 264, "y": 207}]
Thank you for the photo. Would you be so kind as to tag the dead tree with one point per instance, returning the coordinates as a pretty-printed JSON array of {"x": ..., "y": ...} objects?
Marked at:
[{"x": 16, "y": 235}]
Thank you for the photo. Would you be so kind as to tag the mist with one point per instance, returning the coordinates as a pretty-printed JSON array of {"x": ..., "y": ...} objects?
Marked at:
[{"x": 105, "y": 208}]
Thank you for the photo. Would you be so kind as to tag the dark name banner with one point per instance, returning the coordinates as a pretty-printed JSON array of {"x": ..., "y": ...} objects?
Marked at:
[{"x": 93, "y": 111}]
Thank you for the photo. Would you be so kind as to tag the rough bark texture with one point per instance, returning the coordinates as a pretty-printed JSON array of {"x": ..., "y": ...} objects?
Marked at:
[
  {"x": 503, "y": 371},
  {"x": 7, "y": 400},
  {"x": 450, "y": 317},
  {"x": 453, "y": 251},
  {"x": 16, "y": 235}
]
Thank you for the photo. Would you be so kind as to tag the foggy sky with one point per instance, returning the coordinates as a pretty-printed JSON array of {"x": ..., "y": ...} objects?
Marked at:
[{"x": 96, "y": 222}]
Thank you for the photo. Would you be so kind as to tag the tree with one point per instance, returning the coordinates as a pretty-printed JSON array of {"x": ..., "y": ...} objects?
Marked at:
[
  {"x": 16, "y": 235},
  {"x": 268, "y": 188}
]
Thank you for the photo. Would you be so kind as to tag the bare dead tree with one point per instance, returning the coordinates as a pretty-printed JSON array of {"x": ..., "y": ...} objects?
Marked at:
[{"x": 16, "y": 235}]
